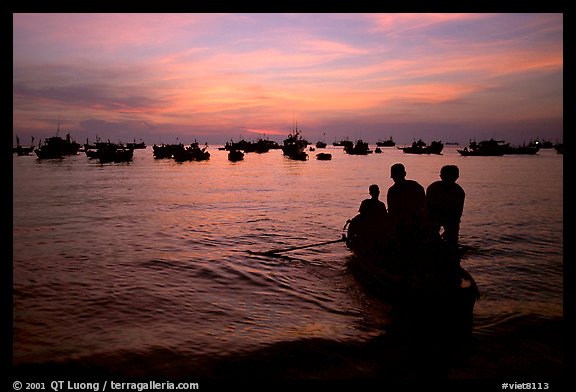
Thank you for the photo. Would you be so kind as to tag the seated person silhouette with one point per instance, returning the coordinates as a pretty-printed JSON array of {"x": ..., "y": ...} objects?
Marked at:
[
  {"x": 373, "y": 206},
  {"x": 368, "y": 230}
]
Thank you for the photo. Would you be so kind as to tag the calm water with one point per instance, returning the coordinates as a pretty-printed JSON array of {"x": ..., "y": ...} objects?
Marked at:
[{"x": 116, "y": 260}]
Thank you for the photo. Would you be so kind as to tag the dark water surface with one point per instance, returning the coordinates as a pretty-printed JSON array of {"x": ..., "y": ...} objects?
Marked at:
[{"x": 145, "y": 268}]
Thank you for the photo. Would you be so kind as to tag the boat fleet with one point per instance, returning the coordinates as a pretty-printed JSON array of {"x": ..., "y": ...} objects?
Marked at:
[{"x": 293, "y": 147}]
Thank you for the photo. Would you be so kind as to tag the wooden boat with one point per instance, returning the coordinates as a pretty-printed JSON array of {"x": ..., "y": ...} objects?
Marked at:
[{"x": 421, "y": 278}]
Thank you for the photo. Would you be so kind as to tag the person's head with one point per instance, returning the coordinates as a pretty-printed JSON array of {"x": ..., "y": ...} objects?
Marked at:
[
  {"x": 397, "y": 172},
  {"x": 449, "y": 173},
  {"x": 374, "y": 190}
]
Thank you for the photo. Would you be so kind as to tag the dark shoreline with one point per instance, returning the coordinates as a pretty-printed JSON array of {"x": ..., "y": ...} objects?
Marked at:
[{"x": 518, "y": 351}]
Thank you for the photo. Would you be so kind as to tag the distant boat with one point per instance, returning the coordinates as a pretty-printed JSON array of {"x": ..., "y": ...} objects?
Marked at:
[
  {"x": 420, "y": 147},
  {"x": 56, "y": 147},
  {"x": 344, "y": 143},
  {"x": 360, "y": 148},
  {"x": 294, "y": 146},
  {"x": 522, "y": 150},
  {"x": 111, "y": 152},
  {"x": 235, "y": 155},
  {"x": 261, "y": 146},
  {"x": 191, "y": 153},
  {"x": 386, "y": 143},
  {"x": 323, "y": 156},
  {"x": 135, "y": 146},
  {"x": 485, "y": 148},
  {"x": 321, "y": 143},
  {"x": 541, "y": 144},
  {"x": 22, "y": 150}
]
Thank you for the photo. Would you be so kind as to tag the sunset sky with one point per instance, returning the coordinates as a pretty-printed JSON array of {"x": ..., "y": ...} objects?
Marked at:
[{"x": 216, "y": 77}]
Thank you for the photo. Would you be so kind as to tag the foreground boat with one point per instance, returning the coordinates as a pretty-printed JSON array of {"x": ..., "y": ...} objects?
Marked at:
[{"x": 421, "y": 278}]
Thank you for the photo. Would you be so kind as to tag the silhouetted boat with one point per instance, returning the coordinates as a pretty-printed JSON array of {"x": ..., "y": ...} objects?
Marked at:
[
  {"x": 521, "y": 150},
  {"x": 485, "y": 148},
  {"x": 324, "y": 156},
  {"x": 386, "y": 143},
  {"x": 56, "y": 147},
  {"x": 541, "y": 143},
  {"x": 164, "y": 151},
  {"x": 110, "y": 152},
  {"x": 360, "y": 148},
  {"x": 420, "y": 147},
  {"x": 190, "y": 153},
  {"x": 421, "y": 277},
  {"x": 294, "y": 146},
  {"x": 23, "y": 150},
  {"x": 321, "y": 143},
  {"x": 260, "y": 146},
  {"x": 136, "y": 146},
  {"x": 235, "y": 155},
  {"x": 344, "y": 143}
]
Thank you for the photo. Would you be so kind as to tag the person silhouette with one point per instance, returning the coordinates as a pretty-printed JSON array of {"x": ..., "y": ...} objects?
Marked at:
[
  {"x": 445, "y": 204},
  {"x": 373, "y": 206},
  {"x": 368, "y": 231},
  {"x": 406, "y": 204}
]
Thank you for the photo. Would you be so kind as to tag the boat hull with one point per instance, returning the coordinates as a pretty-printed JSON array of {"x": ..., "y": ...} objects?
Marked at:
[{"x": 416, "y": 301}]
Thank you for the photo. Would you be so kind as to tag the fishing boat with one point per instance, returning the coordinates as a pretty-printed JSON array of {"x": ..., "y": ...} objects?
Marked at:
[
  {"x": 324, "y": 156},
  {"x": 485, "y": 148},
  {"x": 23, "y": 150},
  {"x": 360, "y": 148},
  {"x": 294, "y": 146},
  {"x": 235, "y": 155},
  {"x": 56, "y": 147},
  {"x": 386, "y": 143},
  {"x": 136, "y": 145},
  {"x": 421, "y": 278},
  {"x": 111, "y": 152},
  {"x": 420, "y": 147},
  {"x": 523, "y": 149},
  {"x": 191, "y": 153}
]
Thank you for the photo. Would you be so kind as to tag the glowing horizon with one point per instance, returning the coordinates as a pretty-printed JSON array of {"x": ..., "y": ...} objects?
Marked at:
[{"x": 220, "y": 76}]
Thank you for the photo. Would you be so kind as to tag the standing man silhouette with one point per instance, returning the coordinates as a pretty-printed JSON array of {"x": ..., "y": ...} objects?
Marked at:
[
  {"x": 445, "y": 203},
  {"x": 406, "y": 205}
]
